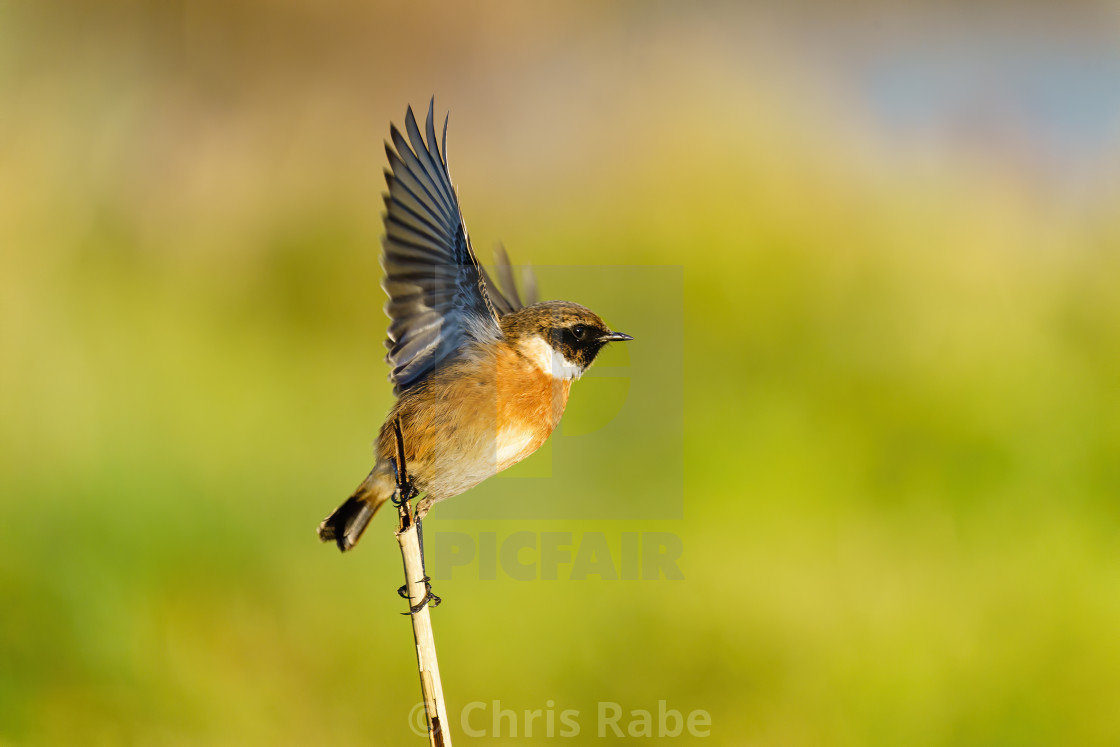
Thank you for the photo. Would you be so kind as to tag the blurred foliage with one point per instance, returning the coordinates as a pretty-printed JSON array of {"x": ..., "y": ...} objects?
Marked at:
[{"x": 901, "y": 415}]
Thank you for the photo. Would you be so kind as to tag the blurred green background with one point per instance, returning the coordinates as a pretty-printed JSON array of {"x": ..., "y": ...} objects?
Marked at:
[{"x": 901, "y": 336}]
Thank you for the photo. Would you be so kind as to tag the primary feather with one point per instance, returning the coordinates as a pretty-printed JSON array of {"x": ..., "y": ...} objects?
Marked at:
[{"x": 440, "y": 297}]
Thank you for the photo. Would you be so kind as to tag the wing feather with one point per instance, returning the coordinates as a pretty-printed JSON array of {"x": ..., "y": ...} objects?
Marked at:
[
  {"x": 505, "y": 277},
  {"x": 504, "y": 294},
  {"x": 438, "y": 292}
]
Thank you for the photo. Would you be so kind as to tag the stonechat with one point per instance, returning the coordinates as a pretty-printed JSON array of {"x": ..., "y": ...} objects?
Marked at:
[{"x": 481, "y": 379}]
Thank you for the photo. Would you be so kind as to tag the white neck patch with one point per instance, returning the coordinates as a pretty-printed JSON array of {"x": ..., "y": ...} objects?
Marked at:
[{"x": 549, "y": 360}]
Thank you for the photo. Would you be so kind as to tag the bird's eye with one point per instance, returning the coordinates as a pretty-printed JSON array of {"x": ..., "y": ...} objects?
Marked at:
[{"x": 579, "y": 331}]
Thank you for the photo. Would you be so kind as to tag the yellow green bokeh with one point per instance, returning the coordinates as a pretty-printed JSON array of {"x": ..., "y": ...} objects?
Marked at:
[{"x": 901, "y": 381}]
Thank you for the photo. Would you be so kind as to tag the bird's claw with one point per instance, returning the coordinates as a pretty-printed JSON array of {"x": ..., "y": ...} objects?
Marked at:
[
  {"x": 428, "y": 599},
  {"x": 401, "y": 497}
]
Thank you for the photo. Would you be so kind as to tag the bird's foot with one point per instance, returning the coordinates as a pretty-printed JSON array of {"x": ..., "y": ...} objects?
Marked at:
[
  {"x": 428, "y": 599},
  {"x": 404, "y": 494}
]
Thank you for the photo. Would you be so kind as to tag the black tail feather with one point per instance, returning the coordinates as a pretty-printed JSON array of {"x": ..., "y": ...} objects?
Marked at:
[{"x": 346, "y": 524}]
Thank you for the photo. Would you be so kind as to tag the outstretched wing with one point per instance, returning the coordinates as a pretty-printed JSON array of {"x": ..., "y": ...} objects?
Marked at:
[
  {"x": 438, "y": 299},
  {"x": 505, "y": 297}
]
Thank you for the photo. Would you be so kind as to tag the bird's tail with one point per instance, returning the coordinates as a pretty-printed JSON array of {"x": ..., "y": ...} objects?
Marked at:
[{"x": 346, "y": 524}]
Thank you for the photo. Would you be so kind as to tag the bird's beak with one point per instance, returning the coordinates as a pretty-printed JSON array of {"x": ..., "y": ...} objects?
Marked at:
[{"x": 615, "y": 337}]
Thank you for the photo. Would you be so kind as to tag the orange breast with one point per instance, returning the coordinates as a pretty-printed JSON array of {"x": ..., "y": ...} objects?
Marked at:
[
  {"x": 475, "y": 418},
  {"x": 530, "y": 404}
]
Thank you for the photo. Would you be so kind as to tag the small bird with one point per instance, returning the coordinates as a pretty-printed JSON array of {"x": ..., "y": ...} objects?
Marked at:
[{"x": 481, "y": 380}]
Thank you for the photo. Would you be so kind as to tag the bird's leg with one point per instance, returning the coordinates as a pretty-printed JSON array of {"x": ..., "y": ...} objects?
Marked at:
[
  {"x": 401, "y": 500},
  {"x": 429, "y": 598},
  {"x": 406, "y": 491}
]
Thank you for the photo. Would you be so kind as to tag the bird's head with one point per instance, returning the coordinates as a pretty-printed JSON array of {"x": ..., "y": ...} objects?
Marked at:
[{"x": 562, "y": 338}]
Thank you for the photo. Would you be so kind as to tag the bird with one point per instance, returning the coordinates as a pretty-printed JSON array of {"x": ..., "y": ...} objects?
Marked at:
[{"x": 481, "y": 379}]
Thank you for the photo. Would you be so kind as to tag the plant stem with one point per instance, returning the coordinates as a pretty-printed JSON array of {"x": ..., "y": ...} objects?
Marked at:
[{"x": 417, "y": 584}]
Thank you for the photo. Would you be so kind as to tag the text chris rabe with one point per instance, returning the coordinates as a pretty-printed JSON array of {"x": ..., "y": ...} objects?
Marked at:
[{"x": 479, "y": 719}]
